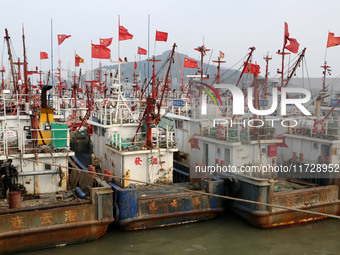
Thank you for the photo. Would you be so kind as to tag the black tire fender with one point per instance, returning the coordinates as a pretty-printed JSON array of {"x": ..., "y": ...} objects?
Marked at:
[
  {"x": 232, "y": 186},
  {"x": 116, "y": 212}
]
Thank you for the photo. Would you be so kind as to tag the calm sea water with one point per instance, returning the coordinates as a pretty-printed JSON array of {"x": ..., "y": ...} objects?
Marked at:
[{"x": 223, "y": 235}]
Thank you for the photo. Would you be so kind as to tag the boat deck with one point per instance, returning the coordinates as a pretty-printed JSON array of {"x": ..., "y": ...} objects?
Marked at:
[
  {"x": 286, "y": 185},
  {"x": 145, "y": 191},
  {"x": 44, "y": 199}
]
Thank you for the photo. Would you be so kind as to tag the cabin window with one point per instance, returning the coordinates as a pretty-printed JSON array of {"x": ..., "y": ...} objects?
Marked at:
[
  {"x": 47, "y": 167},
  {"x": 103, "y": 131}
]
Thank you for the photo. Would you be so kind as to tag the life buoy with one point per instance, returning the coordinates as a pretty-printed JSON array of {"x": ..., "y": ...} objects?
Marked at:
[
  {"x": 82, "y": 104},
  {"x": 220, "y": 130},
  {"x": 315, "y": 126}
]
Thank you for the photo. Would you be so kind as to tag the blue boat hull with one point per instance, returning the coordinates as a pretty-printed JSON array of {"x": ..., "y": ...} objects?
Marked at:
[{"x": 140, "y": 208}]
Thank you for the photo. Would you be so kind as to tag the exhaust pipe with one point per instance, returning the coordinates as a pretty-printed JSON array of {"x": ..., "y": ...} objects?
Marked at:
[{"x": 44, "y": 95}]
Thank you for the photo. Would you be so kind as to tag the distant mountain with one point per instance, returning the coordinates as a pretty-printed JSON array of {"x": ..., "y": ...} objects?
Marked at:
[{"x": 127, "y": 69}]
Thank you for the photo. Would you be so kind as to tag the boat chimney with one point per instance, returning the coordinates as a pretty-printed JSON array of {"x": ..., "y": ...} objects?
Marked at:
[{"x": 44, "y": 95}]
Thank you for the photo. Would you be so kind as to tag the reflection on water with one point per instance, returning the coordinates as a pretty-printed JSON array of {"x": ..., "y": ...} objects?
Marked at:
[{"x": 223, "y": 235}]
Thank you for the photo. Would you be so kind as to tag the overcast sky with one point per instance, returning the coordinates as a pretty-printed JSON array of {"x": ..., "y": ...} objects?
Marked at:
[{"x": 229, "y": 26}]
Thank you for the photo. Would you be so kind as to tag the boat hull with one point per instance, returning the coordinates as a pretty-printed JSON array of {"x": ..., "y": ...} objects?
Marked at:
[
  {"x": 56, "y": 224},
  {"x": 137, "y": 210},
  {"x": 286, "y": 217},
  {"x": 321, "y": 199}
]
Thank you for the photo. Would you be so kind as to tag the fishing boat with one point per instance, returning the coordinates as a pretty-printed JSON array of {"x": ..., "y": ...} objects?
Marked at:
[
  {"x": 216, "y": 145},
  {"x": 47, "y": 204},
  {"x": 138, "y": 150}
]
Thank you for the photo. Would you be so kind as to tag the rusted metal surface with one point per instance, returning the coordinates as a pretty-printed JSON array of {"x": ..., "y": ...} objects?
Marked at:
[
  {"x": 286, "y": 217},
  {"x": 14, "y": 198},
  {"x": 322, "y": 199},
  {"x": 306, "y": 197},
  {"x": 165, "y": 220},
  {"x": 143, "y": 209},
  {"x": 46, "y": 226}
]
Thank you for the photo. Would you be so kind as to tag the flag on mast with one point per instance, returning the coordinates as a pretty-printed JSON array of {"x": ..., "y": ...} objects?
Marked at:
[
  {"x": 293, "y": 44},
  {"x": 189, "y": 63},
  {"x": 106, "y": 42},
  {"x": 161, "y": 36},
  {"x": 124, "y": 34},
  {"x": 61, "y": 38},
  {"x": 221, "y": 55},
  {"x": 43, "y": 55},
  {"x": 78, "y": 60},
  {"x": 100, "y": 51},
  {"x": 332, "y": 41},
  {"x": 142, "y": 51}
]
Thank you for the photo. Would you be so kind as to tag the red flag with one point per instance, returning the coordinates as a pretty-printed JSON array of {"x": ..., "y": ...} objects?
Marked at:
[
  {"x": 106, "y": 42},
  {"x": 43, "y": 55},
  {"x": 332, "y": 41},
  {"x": 78, "y": 60},
  {"x": 161, "y": 36},
  {"x": 124, "y": 34},
  {"x": 286, "y": 33},
  {"x": 142, "y": 51},
  {"x": 120, "y": 60},
  {"x": 135, "y": 67},
  {"x": 252, "y": 68},
  {"x": 100, "y": 51},
  {"x": 61, "y": 38},
  {"x": 189, "y": 63},
  {"x": 293, "y": 45}
]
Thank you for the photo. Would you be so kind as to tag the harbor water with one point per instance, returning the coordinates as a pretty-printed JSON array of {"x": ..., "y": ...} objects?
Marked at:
[{"x": 223, "y": 235}]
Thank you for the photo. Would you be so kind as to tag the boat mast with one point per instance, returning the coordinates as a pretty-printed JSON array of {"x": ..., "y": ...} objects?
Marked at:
[
  {"x": 11, "y": 60},
  {"x": 326, "y": 69},
  {"x": 266, "y": 58},
  {"x": 2, "y": 78},
  {"x": 27, "y": 91},
  {"x": 246, "y": 64},
  {"x": 165, "y": 86},
  {"x": 302, "y": 54},
  {"x": 218, "y": 76}
]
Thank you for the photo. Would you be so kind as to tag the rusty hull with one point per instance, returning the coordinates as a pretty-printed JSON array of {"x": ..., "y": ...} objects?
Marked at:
[
  {"x": 158, "y": 209},
  {"x": 168, "y": 220},
  {"x": 56, "y": 224},
  {"x": 318, "y": 199}
]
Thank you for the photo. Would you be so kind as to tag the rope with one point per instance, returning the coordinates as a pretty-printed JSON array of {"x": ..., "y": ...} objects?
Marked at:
[{"x": 198, "y": 192}]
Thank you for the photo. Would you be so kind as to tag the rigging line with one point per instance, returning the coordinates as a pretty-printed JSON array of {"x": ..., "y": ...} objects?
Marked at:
[
  {"x": 287, "y": 65},
  {"x": 335, "y": 80},
  {"x": 206, "y": 71},
  {"x": 308, "y": 78},
  {"x": 178, "y": 80},
  {"x": 231, "y": 68},
  {"x": 191, "y": 191},
  {"x": 2, "y": 55}
]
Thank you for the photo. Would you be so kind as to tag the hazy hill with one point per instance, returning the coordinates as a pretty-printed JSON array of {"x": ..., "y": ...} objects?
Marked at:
[{"x": 228, "y": 75}]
